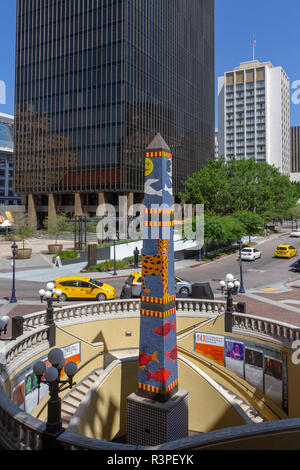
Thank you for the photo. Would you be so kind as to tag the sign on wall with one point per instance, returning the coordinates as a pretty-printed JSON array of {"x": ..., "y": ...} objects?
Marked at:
[
  {"x": 263, "y": 367},
  {"x": 211, "y": 346}
]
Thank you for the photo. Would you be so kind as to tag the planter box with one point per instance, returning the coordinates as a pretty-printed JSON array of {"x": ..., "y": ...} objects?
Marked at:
[
  {"x": 103, "y": 254},
  {"x": 55, "y": 249},
  {"x": 24, "y": 253}
]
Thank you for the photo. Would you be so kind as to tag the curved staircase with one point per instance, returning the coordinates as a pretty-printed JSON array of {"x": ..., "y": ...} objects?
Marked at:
[{"x": 74, "y": 398}]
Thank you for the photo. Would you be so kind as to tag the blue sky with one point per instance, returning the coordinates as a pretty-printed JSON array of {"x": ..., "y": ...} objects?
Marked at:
[{"x": 275, "y": 24}]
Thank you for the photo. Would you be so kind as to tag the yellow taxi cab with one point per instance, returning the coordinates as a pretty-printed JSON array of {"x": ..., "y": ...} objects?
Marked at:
[
  {"x": 77, "y": 288},
  {"x": 285, "y": 251}
]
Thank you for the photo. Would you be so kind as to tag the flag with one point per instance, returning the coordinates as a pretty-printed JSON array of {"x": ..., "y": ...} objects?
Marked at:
[{"x": 254, "y": 42}]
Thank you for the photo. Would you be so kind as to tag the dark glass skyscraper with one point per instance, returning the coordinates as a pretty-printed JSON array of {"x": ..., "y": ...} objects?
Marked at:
[{"x": 96, "y": 80}]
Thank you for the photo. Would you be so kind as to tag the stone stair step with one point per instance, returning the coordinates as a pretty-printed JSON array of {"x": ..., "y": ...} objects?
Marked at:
[
  {"x": 93, "y": 378},
  {"x": 68, "y": 409},
  {"x": 82, "y": 390},
  {"x": 76, "y": 395},
  {"x": 65, "y": 418},
  {"x": 72, "y": 402},
  {"x": 86, "y": 384}
]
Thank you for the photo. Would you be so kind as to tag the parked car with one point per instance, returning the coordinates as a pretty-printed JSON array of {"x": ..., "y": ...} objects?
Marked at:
[
  {"x": 78, "y": 288},
  {"x": 285, "y": 251},
  {"x": 250, "y": 254},
  {"x": 183, "y": 288},
  {"x": 133, "y": 286},
  {"x": 297, "y": 266},
  {"x": 295, "y": 233}
]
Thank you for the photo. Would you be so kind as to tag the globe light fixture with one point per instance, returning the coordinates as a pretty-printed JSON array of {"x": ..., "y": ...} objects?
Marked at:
[
  {"x": 13, "y": 298},
  {"x": 52, "y": 379},
  {"x": 230, "y": 283},
  {"x": 50, "y": 294},
  {"x": 240, "y": 245}
]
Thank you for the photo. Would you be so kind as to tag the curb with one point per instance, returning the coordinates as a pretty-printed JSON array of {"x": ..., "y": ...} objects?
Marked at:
[
  {"x": 111, "y": 277},
  {"x": 221, "y": 257}
]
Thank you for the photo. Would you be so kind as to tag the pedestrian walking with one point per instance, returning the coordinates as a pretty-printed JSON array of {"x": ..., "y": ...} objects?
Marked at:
[{"x": 136, "y": 257}]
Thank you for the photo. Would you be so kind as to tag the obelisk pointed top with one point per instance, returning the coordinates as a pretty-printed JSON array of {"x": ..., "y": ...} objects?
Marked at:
[{"x": 158, "y": 143}]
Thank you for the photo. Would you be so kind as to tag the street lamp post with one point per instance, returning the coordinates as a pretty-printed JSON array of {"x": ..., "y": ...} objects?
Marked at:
[
  {"x": 242, "y": 289},
  {"x": 48, "y": 295},
  {"x": 52, "y": 378},
  {"x": 13, "y": 298},
  {"x": 115, "y": 238},
  {"x": 229, "y": 283}
]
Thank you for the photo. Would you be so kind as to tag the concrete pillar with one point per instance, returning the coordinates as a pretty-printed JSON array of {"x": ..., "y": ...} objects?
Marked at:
[
  {"x": 130, "y": 202},
  {"x": 32, "y": 214},
  {"x": 101, "y": 208},
  {"x": 51, "y": 206},
  {"x": 101, "y": 199},
  {"x": 78, "y": 204}
]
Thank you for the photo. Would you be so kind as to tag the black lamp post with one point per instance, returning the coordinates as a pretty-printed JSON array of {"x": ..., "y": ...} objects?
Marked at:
[
  {"x": 48, "y": 295},
  {"x": 242, "y": 289},
  {"x": 13, "y": 298},
  {"x": 52, "y": 378},
  {"x": 230, "y": 284},
  {"x": 116, "y": 238}
]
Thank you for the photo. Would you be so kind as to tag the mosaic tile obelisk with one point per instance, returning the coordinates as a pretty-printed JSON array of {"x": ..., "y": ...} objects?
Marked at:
[
  {"x": 158, "y": 375},
  {"x": 152, "y": 417}
]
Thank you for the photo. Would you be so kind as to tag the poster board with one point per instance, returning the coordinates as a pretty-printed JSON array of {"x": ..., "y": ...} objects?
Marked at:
[
  {"x": 210, "y": 346},
  {"x": 264, "y": 367}
]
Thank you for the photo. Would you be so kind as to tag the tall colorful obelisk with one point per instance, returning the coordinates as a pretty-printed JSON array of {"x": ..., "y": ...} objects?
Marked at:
[{"x": 158, "y": 370}]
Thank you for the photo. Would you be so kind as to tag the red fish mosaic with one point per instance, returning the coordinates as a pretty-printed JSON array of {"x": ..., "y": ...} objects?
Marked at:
[
  {"x": 145, "y": 359},
  {"x": 165, "y": 329},
  {"x": 161, "y": 375},
  {"x": 172, "y": 355}
]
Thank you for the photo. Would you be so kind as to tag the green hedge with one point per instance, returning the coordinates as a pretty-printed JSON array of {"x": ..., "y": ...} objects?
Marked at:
[
  {"x": 108, "y": 265},
  {"x": 66, "y": 255}
]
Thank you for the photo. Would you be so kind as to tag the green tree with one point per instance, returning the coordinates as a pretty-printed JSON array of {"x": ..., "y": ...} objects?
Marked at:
[
  {"x": 56, "y": 225},
  {"x": 223, "y": 229},
  {"x": 24, "y": 232},
  {"x": 251, "y": 221},
  {"x": 238, "y": 186}
]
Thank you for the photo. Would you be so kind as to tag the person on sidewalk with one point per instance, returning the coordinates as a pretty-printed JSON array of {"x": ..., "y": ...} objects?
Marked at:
[{"x": 136, "y": 257}]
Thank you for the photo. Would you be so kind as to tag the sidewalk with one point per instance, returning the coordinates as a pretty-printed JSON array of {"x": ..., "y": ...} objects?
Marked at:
[
  {"x": 41, "y": 269},
  {"x": 40, "y": 257}
]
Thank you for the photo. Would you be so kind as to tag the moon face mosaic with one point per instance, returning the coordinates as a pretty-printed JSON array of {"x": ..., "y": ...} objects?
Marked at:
[{"x": 148, "y": 166}]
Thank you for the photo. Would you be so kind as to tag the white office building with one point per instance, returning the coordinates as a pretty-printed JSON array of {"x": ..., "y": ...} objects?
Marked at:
[
  {"x": 254, "y": 114},
  {"x": 216, "y": 145},
  {"x": 7, "y": 194}
]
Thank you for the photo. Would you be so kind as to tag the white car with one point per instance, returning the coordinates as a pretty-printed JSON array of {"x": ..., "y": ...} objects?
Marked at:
[
  {"x": 250, "y": 254},
  {"x": 295, "y": 233}
]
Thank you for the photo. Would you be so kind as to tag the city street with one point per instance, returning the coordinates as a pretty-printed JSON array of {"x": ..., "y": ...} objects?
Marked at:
[{"x": 265, "y": 277}]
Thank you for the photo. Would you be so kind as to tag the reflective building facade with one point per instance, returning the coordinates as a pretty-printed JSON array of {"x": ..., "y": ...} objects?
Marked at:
[
  {"x": 96, "y": 80},
  {"x": 7, "y": 194}
]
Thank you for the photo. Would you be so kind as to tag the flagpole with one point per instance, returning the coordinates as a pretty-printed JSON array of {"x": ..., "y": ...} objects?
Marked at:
[{"x": 254, "y": 46}]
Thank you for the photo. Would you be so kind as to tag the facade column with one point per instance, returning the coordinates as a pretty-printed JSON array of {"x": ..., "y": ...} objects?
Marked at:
[
  {"x": 51, "y": 206},
  {"x": 101, "y": 199},
  {"x": 130, "y": 202},
  {"x": 32, "y": 214},
  {"x": 78, "y": 204},
  {"x": 101, "y": 208}
]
